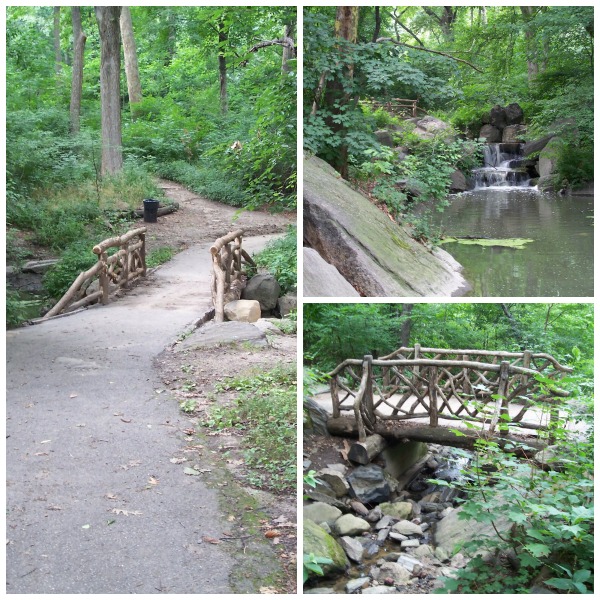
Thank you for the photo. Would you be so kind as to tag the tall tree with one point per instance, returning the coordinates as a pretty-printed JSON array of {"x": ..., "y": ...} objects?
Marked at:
[
  {"x": 346, "y": 28},
  {"x": 56, "y": 38},
  {"x": 134, "y": 86},
  {"x": 223, "y": 36},
  {"x": 110, "y": 90},
  {"x": 79, "y": 39},
  {"x": 288, "y": 46}
]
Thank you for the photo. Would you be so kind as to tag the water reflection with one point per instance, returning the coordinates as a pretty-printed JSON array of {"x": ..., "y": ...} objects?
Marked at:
[{"x": 558, "y": 263}]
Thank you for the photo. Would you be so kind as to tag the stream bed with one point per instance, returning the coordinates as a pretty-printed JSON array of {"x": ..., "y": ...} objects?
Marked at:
[{"x": 559, "y": 260}]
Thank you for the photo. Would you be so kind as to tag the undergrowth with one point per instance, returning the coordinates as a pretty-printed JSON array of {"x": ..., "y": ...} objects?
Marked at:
[
  {"x": 280, "y": 259},
  {"x": 265, "y": 410}
]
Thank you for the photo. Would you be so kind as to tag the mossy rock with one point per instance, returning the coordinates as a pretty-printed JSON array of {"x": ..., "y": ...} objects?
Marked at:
[{"x": 318, "y": 542}]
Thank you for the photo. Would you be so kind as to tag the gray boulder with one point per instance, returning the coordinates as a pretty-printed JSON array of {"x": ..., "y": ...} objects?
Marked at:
[
  {"x": 353, "y": 548},
  {"x": 430, "y": 126},
  {"x": 265, "y": 289},
  {"x": 498, "y": 117},
  {"x": 350, "y": 525},
  {"x": 514, "y": 133},
  {"x": 287, "y": 303},
  {"x": 318, "y": 542},
  {"x": 319, "y": 512},
  {"x": 369, "y": 484},
  {"x": 372, "y": 253},
  {"x": 384, "y": 137},
  {"x": 315, "y": 417},
  {"x": 336, "y": 481},
  {"x": 458, "y": 182},
  {"x": 397, "y": 510},
  {"x": 323, "y": 279},
  {"x": 490, "y": 134},
  {"x": 407, "y": 528},
  {"x": 536, "y": 145},
  {"x": 514, "y": 114},
  {"x": 397, "y": 573},
  {"x": 355, "y": 584},
  {"x": 549, "y": 157}
]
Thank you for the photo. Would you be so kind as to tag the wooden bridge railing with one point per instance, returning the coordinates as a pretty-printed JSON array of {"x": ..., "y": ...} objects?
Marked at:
[
  {"x": 455, "y": 385},
  {"x": 113, "y": 272},
  {"x": 228, "y": 279},
  {"x": 400, "y": 107}
]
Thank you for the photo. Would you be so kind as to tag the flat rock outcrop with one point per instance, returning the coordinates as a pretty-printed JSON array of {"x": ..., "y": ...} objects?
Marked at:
[{"x": 375, "y": 255}]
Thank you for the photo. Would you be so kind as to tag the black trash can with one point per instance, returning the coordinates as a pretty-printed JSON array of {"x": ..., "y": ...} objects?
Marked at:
[{"x": 150, "y": 210}]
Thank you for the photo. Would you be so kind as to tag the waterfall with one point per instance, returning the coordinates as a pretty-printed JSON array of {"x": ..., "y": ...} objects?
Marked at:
[{"x": 503, "y": 167}]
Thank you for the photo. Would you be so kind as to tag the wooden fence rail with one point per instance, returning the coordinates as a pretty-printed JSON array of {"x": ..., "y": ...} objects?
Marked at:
[
  {"x": 400, "y": 107},
  {"x": 228, "y": 277},
  {"x": 113, "y": 272},
  {"x": 454, "y": 385}
]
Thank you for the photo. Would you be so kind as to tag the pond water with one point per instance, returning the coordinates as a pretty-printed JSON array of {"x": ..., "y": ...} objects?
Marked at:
[{"x": 559, "y": 262}]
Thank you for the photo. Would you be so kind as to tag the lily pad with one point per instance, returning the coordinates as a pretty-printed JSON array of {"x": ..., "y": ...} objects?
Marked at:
[{"x": 517, "y": 243}]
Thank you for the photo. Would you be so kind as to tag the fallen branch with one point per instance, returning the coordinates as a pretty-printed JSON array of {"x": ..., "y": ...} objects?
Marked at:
[{"x": 466, "y": 62}]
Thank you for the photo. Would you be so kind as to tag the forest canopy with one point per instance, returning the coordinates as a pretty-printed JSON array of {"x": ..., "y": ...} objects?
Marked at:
[
  {"x": 457, "y": 62},
  {"x": 207, "y": 78}
]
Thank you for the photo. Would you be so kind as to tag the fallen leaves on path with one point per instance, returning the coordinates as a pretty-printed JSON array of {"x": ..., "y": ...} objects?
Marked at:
[{"x": 210, "y": 540}]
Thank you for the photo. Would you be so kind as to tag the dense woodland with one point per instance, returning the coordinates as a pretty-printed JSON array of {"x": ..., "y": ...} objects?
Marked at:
[
  {"x": 101, "y": 100},
  {"x": 458, "y": 62},
  {"x": 551, "y": 540}
]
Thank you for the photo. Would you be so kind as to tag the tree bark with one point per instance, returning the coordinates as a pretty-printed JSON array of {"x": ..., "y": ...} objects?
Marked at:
[
  {"x": 79, "y": 39},
  {"x": 110, "y": 91},
  {"x": 364, "y": 452},
  {"x": 347, "y": 427},
  {"x": 134, "y": 86},
  {"x": 346, "y": 28},
  {"x": 406, "y": 325},
  {"x": 56, "y": 37},
  {"x": 223, "y": 38},
  {"x": 288, "y": 48},
  {"x": 377, "y": 24},
  {"x": 528, "y": 13}
]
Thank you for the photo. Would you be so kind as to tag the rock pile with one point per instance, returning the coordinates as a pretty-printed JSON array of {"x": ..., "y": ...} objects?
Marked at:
[{"x": 379, "y": 536}]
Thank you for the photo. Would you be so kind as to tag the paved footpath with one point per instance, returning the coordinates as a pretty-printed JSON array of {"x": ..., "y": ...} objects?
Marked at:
[{"x": 94, "y": 504}]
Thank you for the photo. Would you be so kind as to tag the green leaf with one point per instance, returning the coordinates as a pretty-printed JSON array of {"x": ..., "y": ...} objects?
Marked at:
[
  {"x": 582, "y": 575},
  {"x": 560, "y": 584},
  {"x": 538, "y": 549}
]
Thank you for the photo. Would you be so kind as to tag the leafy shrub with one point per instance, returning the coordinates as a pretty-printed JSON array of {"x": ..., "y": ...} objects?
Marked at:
[
  {"x": 280, "y": 258},
  {"x": 78, "y": 257},
  {"x": 266, "y": 410},
  {"x": 212, "y": 184},
  {"x": 576, "y": 165}
]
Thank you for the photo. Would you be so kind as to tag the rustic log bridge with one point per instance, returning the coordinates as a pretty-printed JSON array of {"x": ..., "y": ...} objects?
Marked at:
[
  {"x": 228, "y": 277},
  {"x": 128, "y": 263},
  {"x": 479, "y": 386},
  {"x": 397, "y": 106},
  {"x": 347, "y": 427}
]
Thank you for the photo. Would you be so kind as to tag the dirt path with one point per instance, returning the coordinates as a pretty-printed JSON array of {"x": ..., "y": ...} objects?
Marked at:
[{"x": 98, "y": 499}]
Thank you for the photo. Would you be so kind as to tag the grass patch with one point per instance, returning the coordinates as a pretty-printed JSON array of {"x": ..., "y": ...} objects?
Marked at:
[
  {"x": 159, "y": 256},
  {"x": 265, "y": 409}
]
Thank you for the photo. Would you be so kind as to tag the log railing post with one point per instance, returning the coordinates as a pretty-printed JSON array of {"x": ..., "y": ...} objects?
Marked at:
[
  {"x": 501, "y": 406},
  {"x": 104, "y": 284},
  {"x": 143, "y": 253},
  {"x": 368, "y": 397},
  {"x": 125, "y": 258},
  {"x": 335, "y": 397},
  {"x": 433, "y": 407}
]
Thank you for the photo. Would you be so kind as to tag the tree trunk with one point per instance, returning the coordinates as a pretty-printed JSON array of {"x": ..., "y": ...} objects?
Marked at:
[
  {"x": 377, "y": 24},
  {"x": 56, "y": 36},
  {"x": 288, "y": 50},
  {"x": 406, "y": 325},
  {"x": 134, "y": 86},
  {"x": 223, "y": 37},
  {"x": 530, "y": 49},
  {"x": 110, "y": 91},
  {"x": 364, "y": 452},
  {"x": 79, "y": 39},
  {"x": 346, "y": 27}
]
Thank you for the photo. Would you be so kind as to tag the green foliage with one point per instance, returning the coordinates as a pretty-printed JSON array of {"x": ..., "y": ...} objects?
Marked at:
[
  {"x": 210, "y": 183},
  {"x": 550, "y": 512},
  {"x": 576, "y": 165},
  {"x": 78, "y": 257},
  {"x": 280, "y": 259},
  {"x": 158, "y": 256},
  {"x": 265, "y": 409},
  {"x": 312, "y": 565}
]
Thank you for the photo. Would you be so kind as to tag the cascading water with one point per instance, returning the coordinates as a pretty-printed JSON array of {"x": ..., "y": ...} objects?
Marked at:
[{"x": 503, "y": 167}]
